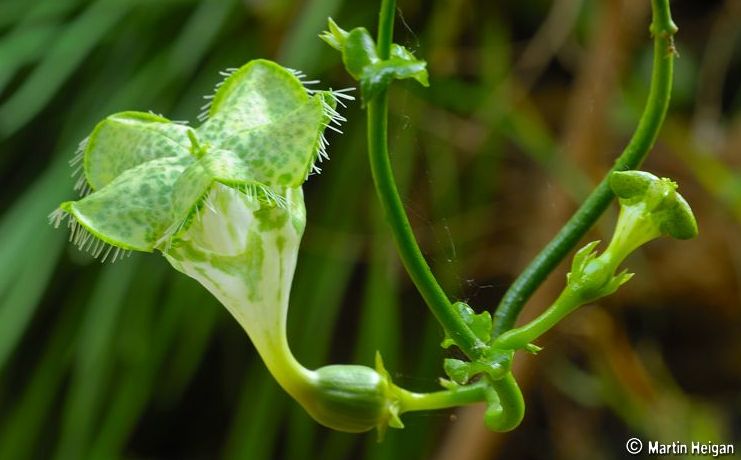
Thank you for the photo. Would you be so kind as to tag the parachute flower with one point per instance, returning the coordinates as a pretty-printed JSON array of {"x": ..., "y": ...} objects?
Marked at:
[{"x": 223, "y": 203}]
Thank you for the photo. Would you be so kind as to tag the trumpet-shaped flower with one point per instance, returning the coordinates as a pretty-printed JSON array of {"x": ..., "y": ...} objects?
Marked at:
[{"x": 223, "y": 203}]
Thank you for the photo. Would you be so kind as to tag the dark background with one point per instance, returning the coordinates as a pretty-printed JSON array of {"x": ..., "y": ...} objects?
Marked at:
[{"x": 530, "y": 101}]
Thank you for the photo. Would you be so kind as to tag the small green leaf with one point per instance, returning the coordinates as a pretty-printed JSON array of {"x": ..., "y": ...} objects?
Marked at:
[
  {"x": 419, "y": 70},
  {"x": 335, "y": 36},
  {"x": 362, "y": 62},
  {"x": 359, "y": 52},
  {"x": 480, "y": 324},
  {"x": 458, "y": 371},
  {"x": 376, "y": 77}
]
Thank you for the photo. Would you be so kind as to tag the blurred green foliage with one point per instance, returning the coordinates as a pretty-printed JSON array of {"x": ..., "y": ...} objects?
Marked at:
[{"x": 133, "y": 360}]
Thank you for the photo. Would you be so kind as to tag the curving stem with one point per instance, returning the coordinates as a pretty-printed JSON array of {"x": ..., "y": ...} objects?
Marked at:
[
  {"x": 506, "y": 404},
  {"x": 383, "y": 178}
]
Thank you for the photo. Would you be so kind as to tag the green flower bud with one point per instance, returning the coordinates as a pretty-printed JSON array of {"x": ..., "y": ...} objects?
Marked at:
[
  {"x": 649, "y": 208},
  {"x": 353, "y": 398},
  {"x": 668, "y": 209}
]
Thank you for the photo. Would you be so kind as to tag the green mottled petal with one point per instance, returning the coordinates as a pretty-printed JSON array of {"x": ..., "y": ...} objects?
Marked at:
[
  {"x": 281, "y": 153},
  {"x": 128, "y": 139},
  {"x": 133, "y": 211},
  {"x": 262, "y": 137},
  {"x": 260, "y": 92}
]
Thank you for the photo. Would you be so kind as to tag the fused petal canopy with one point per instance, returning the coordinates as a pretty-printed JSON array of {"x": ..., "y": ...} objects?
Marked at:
[{"x": 144, "y": 178}]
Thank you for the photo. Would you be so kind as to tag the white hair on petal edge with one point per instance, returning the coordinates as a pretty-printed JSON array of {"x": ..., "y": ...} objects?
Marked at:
[
  {"x": 78, "y": 172},
  {"x": 86, "y": 241},
  {"x": 206, "y": 108},
  {"x": 335, "y": 120}
]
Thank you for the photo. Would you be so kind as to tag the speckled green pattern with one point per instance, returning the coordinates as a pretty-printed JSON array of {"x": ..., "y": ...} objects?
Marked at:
[
  {"x": 128, "y": 139},
  {"x": 245, "y": 254},
  {"x": 258, "y": 93},
  {"x": 188, "y": 193},
  {"x": 263, "y": 114},
  {"x": 281, "y": 153},
  {"x": 135, "y": 209},
  {"x": 153, "y": 179},
  {"x": 249, "y": 270}
]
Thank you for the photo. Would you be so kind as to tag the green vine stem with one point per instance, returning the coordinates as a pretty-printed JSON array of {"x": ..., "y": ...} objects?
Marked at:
[
  {"x": 663, "y": 30},
  {"x": 444, "y": 399},
  {"x": 385, "y": 28},
  {"x": 506, "y": 406},
  {"x": 511, "y": 409},
  {"x": 383, "y": 178}
]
